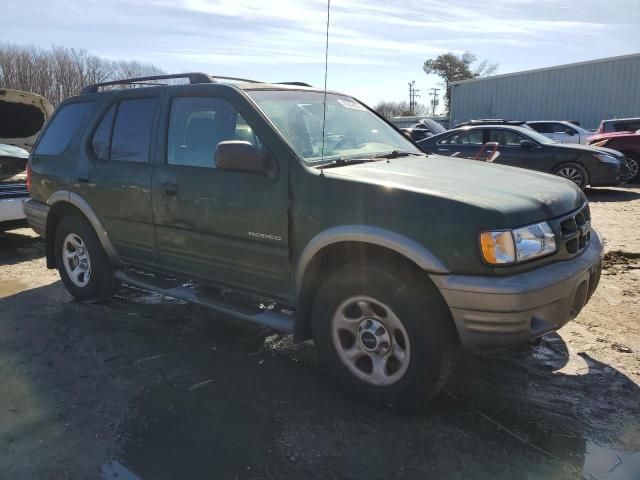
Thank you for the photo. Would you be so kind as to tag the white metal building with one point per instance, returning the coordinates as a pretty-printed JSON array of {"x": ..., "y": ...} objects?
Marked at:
[{"x": 587, "y": 92}]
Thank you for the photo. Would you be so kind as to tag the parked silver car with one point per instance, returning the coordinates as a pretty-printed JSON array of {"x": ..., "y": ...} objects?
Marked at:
[{"x": 561, "y": 131}]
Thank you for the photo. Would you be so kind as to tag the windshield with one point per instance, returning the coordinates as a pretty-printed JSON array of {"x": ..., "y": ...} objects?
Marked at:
[{"x": 351, "y": 130}]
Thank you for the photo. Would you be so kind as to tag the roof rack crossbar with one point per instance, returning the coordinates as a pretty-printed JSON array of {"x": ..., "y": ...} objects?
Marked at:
[
  {"x": 195, "y": 77},
  {"x": 235, "y": 78}
]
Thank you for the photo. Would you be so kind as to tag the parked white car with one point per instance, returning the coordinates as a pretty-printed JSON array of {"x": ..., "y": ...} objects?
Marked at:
[
  {"x": 22, "y": 116},
  {"x": 561, "y": 131}
]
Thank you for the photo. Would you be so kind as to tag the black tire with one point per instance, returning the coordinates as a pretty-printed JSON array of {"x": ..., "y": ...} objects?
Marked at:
[
  {"x": 425, "y": 316},
  {"x": 565, "y": 170},
  {"x": 101, "y": 282}
]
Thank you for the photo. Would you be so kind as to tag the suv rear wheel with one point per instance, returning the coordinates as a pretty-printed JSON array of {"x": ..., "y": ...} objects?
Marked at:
[
  {"x": 82, "y": 263},
  {"x": 385, "y": 334}
]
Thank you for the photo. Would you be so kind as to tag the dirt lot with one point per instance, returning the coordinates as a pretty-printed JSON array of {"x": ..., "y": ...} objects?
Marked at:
[{"x": 146, "y": 387}]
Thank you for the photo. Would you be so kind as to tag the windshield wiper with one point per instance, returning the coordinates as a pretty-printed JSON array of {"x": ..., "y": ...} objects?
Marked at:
[
  {"x": 340, "y": 162},
  {"x": 398, "y": 153}
]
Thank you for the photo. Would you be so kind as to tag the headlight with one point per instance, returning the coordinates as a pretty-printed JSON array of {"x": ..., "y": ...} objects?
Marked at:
[
  {"x": 518, "y": 245},
  {"x": 606, "y": 158}
]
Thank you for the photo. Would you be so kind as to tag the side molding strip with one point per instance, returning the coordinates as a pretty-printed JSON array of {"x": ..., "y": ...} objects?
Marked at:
[
  {"x": 82, "y": 205},
  {"x": 372, "y": 235}
]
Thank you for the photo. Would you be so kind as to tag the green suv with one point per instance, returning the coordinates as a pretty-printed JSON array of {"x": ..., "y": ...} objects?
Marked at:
[{"x": 307, "y": 212}]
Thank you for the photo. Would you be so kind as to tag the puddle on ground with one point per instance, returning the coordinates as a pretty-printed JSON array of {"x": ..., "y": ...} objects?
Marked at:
[{"x": 606, "y": 463}]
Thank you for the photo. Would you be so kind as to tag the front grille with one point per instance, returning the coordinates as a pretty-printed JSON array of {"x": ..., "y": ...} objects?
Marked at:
[
  {"x": 576, "y": 231},
  {"x": 13, "y": 190}
]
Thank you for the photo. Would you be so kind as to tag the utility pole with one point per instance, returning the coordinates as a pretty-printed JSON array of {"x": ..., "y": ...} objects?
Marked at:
[
  {"x": 413, "y": 95},
  {"x": 434, "y": 100}
]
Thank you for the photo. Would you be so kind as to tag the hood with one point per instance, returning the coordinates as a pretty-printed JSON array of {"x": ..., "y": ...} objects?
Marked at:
[
  {"x": 589, "y": 148},
  {"x": 22, "y": 116},
  {"x": 521, "y": 196}
]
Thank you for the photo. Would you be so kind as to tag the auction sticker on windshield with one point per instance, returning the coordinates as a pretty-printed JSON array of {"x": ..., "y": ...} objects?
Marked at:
[{"x": 352, "y": 105}]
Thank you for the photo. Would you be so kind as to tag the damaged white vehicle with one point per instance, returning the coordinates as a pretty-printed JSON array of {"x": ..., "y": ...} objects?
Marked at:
[{"x": 22, "y": 116}]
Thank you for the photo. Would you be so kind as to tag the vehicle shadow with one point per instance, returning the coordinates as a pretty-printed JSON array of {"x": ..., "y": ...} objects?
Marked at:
[
  {"x": 617, "y": 194},
  {"x": 172, "y": 391},
  {"x": 19, "y": 245}
]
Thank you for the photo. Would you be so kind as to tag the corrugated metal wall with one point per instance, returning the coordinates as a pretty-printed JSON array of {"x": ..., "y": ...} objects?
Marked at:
[{"x": 587, "y": 92}]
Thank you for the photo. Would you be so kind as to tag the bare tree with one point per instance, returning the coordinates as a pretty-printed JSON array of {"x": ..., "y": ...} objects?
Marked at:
[
  {"x": 60, "y": 72},
  {"x": 398, "y": 109}
]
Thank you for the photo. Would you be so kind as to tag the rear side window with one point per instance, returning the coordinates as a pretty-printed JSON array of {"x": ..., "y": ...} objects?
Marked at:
[
  {"x": 101, "y": 142},
  {"x": 63, "y": 126},
  {"x": 132, "y": 130}
]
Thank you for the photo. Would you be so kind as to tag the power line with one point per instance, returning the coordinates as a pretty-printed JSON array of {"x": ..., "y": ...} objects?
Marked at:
[
  {"x": 433, "y": 92},
  {"x": 413, "y": 96}
]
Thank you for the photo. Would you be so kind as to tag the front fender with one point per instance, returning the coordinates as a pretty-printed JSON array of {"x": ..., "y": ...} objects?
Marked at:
[{"x": 400, "y": 244}]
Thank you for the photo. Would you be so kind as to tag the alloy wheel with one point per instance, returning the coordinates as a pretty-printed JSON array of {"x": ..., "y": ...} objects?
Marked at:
[
  {"x": 632, "y": 168},
  {"x": 371, "y": 341},
  {"x": 572, "y": 174},
  {"x": 77, "y": 262}
]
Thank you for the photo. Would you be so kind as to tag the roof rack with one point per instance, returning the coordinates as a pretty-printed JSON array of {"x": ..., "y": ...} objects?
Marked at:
[
  {"x": 298, "y": 84},
  {"x": 194, "y": 77}
]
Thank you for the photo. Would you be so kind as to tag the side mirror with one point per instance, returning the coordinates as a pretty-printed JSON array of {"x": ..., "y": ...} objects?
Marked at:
[
  {"x": 527, "y": 144},
  {"x": 570, "y": 131},
  {"x": 240, "y": 156}
]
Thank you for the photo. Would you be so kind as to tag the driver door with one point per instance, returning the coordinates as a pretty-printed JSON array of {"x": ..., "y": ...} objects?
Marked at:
[{"x": 226, "y": 227}]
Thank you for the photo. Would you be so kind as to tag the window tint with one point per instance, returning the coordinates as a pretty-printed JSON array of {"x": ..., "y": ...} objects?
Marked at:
[
  {"x": 58, "y": 134},
  {"x": 542, "y": 127},
  {"x": 505, "y": 137},
  {"x": 471, "y": 137},
  {"x": 562, "y": 128},
  {"x": 197, "y": 125},
  {"x": 630, "y": 126},
  {"x": 101, "y": 142},
  {"x": 132, "y": 130}
]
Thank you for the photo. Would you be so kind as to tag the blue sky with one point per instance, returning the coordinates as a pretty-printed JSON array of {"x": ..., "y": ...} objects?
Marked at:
[{"x": 376, "y": 47}]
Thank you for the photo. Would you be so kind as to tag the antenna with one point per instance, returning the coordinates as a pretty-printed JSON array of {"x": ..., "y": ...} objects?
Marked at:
[{"x": 326, "y": 67}]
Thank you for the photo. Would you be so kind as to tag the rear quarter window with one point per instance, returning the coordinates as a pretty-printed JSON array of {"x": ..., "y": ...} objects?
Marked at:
[{"x": 63, "y": 126}]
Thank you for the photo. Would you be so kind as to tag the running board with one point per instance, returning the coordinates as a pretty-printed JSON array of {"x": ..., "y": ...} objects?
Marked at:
[{"x": 268, "y": 318}]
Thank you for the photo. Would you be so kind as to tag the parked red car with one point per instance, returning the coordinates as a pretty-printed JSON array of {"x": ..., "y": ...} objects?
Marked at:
[{"x": 625, "y": 142}]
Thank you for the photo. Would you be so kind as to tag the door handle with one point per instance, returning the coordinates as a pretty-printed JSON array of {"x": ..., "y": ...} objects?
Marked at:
[
  {"x": 443, "y": 149},
  {"x": 169, "y": 188}
]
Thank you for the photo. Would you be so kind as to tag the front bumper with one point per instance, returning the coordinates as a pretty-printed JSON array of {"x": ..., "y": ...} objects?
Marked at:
[
  {"x": 36, "y": 213},
  {"x": 492, "y": 313},
  {"x": 606, "y": 174},
  {"x": 11, "y": 209}
]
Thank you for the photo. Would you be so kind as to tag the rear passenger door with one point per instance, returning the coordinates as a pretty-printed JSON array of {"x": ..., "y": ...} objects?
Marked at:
[
  {"x": 221, "y": 226},
  {"x": 115, "y": 174}
]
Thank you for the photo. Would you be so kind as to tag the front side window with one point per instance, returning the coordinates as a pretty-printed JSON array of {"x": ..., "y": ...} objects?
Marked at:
[
  {"x": 505, "y": 137},
  {"x": 198, "y": 124},
  {"x": 541, "y": 127},
  {"x": 464, "y": 137},
  {"x": 350, "y": 129},
  {"x": 562, "y": 128},
  {"x": 132, "y": 130},
  {"x": 59, "y": 133}
]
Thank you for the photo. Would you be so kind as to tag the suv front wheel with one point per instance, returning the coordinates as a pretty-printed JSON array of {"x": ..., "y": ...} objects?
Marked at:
[
  {"x": 82, "y": 263},
  {"x": 385, "y": 334}
]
